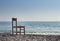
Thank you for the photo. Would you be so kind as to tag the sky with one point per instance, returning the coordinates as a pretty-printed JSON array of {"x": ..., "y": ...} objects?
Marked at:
[{"x": 30, "y": 10}]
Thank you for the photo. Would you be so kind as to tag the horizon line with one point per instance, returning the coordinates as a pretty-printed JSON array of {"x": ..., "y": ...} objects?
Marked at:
[{"x": 31, "y": 21}]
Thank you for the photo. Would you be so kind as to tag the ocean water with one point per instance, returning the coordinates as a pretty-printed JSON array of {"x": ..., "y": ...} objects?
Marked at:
[{"x": 32, "y": 26}]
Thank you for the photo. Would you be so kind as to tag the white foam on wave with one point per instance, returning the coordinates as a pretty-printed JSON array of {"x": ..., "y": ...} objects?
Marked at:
[{"x": 44, "y": 33}]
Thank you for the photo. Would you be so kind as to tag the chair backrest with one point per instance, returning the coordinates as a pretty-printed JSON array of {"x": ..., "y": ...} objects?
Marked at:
[{"x": 14, "y": 26}]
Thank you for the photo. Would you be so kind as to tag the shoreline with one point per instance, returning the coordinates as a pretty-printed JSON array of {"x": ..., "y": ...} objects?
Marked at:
[
  {"x": 44, "y": 33},
  {"x": 29, "y": 37},
  {"x": 34, "y": 33}
]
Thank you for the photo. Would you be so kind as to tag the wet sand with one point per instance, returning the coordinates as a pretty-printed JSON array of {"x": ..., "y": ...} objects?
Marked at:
[{"x": 29, "y": 37}]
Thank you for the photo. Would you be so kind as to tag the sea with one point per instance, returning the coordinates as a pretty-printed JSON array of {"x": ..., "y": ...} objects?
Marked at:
[{"x": 32, "y": 26}]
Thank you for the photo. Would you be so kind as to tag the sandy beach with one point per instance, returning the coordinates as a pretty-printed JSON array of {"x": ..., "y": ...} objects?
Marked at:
[{"x": 28, "y": 37}]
